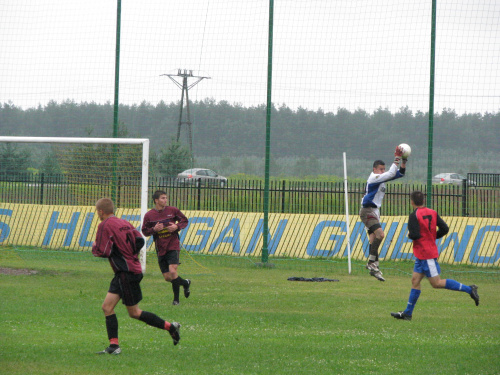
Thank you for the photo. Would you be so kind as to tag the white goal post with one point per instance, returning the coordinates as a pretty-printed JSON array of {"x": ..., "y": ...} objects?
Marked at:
[
  {"x": 348, "y": 229},
  {"x": 110, "y": 141}
]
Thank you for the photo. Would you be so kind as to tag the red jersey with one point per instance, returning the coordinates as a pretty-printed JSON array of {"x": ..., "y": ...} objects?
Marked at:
[
  {"x": 422, "y": 230},
  {"x": 164, "y": 240},
  {"x": 115, "y": 240}
]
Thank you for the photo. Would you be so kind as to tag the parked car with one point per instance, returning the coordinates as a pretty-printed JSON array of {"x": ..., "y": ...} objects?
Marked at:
[
  {"x": 451, "y": 179},
  {"x": 201, "y": 176}
]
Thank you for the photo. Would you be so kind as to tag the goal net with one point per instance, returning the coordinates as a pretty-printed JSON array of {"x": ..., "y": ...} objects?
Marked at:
[{"x": 49, "y": 187}]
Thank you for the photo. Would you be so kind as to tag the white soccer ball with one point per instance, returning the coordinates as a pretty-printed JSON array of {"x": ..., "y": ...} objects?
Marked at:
[{"x": 406, "y": 150}]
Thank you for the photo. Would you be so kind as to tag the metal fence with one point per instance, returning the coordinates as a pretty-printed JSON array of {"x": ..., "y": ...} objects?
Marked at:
[
  {"x": 248, "y": 195},
  {"x": 487, "y": 180}
]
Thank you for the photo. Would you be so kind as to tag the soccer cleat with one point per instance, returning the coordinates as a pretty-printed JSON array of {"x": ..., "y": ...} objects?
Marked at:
[
  {"x": 111, "y": 350},
  {"x": 174, "y": 332},
  {"x": 474, "y": 295},
  {"x": 187, "y": 292},
  {"x": 374, "y": 270},
  {"x": 377, "y": 275},
  {"x": 175, "y": 303},
  {"x": 372, "y": 266},
  {"x": 401, "y": 315}
]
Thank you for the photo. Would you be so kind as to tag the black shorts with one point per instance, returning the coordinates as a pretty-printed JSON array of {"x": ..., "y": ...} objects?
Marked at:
[
  {"x": 171, "y": 257},
  {"x": 127, "y": 286}
]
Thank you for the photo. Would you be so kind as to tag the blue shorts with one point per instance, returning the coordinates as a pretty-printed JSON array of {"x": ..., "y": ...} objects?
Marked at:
[{"x": 430, "y": 267}]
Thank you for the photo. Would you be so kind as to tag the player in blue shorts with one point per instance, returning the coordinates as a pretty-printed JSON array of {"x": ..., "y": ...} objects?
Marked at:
[{"x": 422, "y": 226}]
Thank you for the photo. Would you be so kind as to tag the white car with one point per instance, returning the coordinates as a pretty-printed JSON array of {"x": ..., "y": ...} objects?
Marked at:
[
  {"x": 201, "y": 176},
  {"x": 451, "y": 179}
]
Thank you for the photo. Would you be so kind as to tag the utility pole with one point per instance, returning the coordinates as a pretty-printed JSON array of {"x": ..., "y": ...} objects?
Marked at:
[{"x": 185, "y": 75}]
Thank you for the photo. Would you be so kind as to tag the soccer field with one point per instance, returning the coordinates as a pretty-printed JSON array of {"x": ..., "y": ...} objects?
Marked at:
[{"x": 241, "y": 319}]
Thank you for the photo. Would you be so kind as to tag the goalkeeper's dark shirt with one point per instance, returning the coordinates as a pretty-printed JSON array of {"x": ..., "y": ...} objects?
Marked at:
[
  {"x": 422, "y": 225},
  {"x": 164, "y": 240},
  {"x": 115, "y": 240}
]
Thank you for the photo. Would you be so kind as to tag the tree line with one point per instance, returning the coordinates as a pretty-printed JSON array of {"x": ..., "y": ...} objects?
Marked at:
[{"x": 226, "y": 131}]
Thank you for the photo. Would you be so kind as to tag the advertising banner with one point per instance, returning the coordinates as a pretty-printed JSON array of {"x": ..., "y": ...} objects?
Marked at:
[{"x": 471, "y": 240}]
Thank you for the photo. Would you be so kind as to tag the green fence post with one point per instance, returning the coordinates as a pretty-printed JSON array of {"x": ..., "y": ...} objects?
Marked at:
[
  {"x": 283, "y": 197},
  {"x": 465, "y": 193},
  {"x": 114, "y": 182},
  {"x": 431, "y": 105},
  {"x": 41, "y": 187},
  {"x": 265, "y": 253}
]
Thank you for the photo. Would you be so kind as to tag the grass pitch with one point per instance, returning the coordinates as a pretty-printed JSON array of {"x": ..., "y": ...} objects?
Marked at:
[{"x": 240, "y": 319}]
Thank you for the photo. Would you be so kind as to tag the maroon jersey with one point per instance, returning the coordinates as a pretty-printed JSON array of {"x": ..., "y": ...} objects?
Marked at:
[
  {"x": 422, "y": 225},
  {"x": 164, "y": 240},
  {"x": 115, "y": 240}
]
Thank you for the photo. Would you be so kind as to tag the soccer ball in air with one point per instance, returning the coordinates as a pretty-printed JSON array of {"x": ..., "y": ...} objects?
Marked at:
[{"x": 406, "y": 150}]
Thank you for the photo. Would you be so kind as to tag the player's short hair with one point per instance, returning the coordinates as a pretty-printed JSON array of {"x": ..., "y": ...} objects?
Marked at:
[
  {"x": 417, "y": 197},
  {"x": 376, "y": 163},
  {"x": 105, "y": 205},
  {"x": 157, "y": 194}
]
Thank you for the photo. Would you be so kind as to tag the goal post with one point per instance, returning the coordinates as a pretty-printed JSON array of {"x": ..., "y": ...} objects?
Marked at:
[
  {"x": 347, "y": 223},
  {"x": 91, "y": 162}
]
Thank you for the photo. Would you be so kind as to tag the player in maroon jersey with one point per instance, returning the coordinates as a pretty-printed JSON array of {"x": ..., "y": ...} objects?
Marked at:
[
  {"x": 164, "y": 222},
  {"x": 120, "y": 242},
  {"x": 422, "y": 225}
]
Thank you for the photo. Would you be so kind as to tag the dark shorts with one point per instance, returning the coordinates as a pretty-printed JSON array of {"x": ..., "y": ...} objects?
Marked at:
[
  {"x": 171, "y": 257},
  {"x": 127, "y": 286}
]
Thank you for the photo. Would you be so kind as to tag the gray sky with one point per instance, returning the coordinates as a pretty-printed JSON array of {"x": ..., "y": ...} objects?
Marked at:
[{"x": 327, "y": 54}]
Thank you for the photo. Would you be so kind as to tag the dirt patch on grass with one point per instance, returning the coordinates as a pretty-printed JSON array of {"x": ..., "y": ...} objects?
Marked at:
[{"x": 17, "y": 271}]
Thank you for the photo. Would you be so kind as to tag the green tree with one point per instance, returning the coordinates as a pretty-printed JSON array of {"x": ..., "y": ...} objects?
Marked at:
[
  {"x": 50, "y": 166},
  {"x": 13, "y": 158},
  {"x": 174, "y": 159}
]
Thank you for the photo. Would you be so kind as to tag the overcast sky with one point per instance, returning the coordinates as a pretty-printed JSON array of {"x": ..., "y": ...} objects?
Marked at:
[{"x": 327, "y": 54}]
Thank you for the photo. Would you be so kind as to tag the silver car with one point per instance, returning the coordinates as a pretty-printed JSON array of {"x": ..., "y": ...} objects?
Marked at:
[
  {"x": 201, "y": 176},
  {"x": 451, "y": 179}
]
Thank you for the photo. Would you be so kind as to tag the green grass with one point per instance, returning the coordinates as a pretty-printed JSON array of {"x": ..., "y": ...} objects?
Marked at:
[{"x": 243, "y": 319}]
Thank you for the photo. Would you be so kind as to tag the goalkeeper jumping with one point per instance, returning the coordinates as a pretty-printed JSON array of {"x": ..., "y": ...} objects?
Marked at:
[{"x": 371, "y": 202}]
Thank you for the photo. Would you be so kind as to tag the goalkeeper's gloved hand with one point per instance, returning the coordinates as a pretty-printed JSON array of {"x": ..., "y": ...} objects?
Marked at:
[{"x": 398, "y": 154}]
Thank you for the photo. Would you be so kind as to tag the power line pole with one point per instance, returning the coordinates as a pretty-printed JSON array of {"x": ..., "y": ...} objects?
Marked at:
[{"x": 184, "y": 75}]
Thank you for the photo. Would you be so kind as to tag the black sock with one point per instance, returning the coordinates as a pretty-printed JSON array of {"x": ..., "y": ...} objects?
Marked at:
[
  {"x": 152, "y": 320},
  {"x": 112, "y": 326},
  {"x": 180, "y": 280},
  {"x": 176, "y": 288},
  {"x": 374, "y": 249}
]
